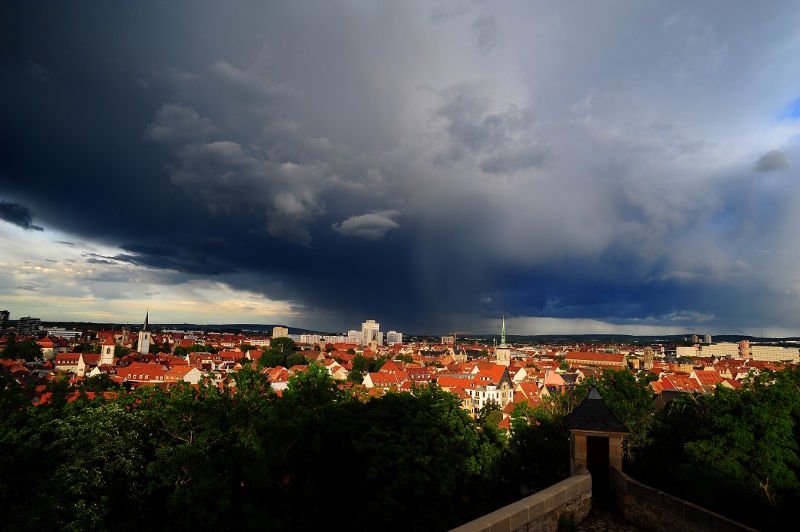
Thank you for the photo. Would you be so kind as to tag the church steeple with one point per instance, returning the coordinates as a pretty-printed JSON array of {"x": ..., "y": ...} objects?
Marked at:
[
  {"x": 144, "y": 336},
  {"x": 502, "y": 352}
]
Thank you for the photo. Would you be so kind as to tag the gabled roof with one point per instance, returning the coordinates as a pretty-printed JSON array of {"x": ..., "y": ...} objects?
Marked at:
[{"x": 593, "y": 414}]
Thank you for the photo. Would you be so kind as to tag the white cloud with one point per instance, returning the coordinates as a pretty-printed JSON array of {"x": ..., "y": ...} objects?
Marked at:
[{"x": 370, "y": 226}]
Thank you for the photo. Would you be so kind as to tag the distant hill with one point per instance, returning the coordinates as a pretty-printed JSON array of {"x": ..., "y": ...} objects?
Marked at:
[{"x": 482, "y": 338}]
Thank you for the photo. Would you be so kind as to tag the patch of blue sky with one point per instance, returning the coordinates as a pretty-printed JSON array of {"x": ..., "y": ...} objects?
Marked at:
[{"x": 792, "y": 111}]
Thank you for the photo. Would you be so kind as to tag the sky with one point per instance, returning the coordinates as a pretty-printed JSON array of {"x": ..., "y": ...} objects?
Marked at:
[{"x": 579, "y": 167}]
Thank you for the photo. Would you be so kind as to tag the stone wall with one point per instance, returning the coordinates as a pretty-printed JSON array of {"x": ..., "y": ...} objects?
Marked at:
[
  {"x": 651, "y": 509},
  {"x": 540, "y": 511}
]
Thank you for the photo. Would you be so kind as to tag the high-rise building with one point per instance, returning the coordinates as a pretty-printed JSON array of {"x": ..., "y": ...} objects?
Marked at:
[
  {"x": 370, "y": 331},
  {"x": 394, "y": 337},
  {"x": 280, "y": 332},
  {"x": 448, "y": 340},
  {"x": 28, "y": 326},
  {"x": 144, "y": 336},
  {"x": 707, "y": 339},
  {"x": 4, "y": 317}
]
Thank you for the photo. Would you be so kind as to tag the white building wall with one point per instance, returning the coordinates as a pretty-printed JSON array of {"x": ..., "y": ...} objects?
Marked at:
[
  {"x": 774, "y": 353},
  {"x": 354, "y": 337},
  {"x": 394, "y": 337},
  {"x": 721, "y": 349},
  {"x": 684, "y": 351}
]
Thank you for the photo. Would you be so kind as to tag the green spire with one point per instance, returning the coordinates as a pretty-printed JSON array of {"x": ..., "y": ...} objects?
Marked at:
[{"x": 503, "y": 333}]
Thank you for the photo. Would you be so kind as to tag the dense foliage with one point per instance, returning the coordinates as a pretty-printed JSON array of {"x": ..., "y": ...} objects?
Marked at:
[
  {"x": 240, "y": 457},
  {"x": 208, "y": 457},
  {"x": 734, "y": 451},
  {"x": 28, "y": 350}
]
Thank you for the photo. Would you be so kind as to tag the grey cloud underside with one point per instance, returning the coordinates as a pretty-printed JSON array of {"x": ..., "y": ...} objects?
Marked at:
[
  {"x": 19, "y": 215},
  {"x": 772, "y": 161},
  {"x": 422, "y": 164}
]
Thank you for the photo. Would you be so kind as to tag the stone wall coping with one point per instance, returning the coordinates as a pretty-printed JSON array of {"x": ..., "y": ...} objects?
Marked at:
[
  {"x": 685, "y": 511},
  {"x": 518, "y": 514}
]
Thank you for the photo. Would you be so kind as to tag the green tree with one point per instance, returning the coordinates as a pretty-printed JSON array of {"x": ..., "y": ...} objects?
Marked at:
[
  {"x": 28, "y": 350},
  {"x": 285, "y": 345},
  {"x": 490, "y": 415},
  {"x": 295, "y": 359},
  {"x": 351, "y": 351},
  {"x": 375, "y": 364},
  {"x": 271, "y": 358},
  {"x": 360, "y": 364},
  {"x": 98, "y": 383},
  {"x": 100, "y": 468},
  {"x": 120, "y": 351},
  {"x": 86, "y": 347},
  {"x": 313, "y": 387},
  {"x": 537, "y": 454},
  {"x": 355, "y": 376},
  {"x": 741, "y": 446}
]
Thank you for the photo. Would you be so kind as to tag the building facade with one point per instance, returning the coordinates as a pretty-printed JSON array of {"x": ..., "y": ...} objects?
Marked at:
[
  {"x": 371, "y": 332},
  {"x": 394, "y": 337},
  {"x": 28, "y": 326}
]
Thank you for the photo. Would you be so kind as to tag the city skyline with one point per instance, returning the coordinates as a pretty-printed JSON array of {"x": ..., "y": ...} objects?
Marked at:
[{"x": 602, "y": 168}]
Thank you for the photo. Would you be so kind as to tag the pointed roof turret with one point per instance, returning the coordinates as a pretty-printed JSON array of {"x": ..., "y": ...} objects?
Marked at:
[
  {"x": 503, "y": 333},
  {"x": 593, "y": 414},
  {"x": 146, "y": 319}
]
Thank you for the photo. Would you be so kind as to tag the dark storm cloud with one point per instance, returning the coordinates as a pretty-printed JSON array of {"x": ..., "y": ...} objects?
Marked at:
[
  {"x": 20, "y": 215},
  {"x": 423, "y": 165},
  {"x": 36, "y": 71}
]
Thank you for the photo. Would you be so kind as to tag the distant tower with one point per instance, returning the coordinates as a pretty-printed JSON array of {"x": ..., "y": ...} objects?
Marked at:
[
  {"x": 107, "y": 352},
  {"x": 648, "y": 358},
  {"x": 744, "y": 349},
  {"x": 503, "y": 353},
  {"x": 144, "y": 336}
]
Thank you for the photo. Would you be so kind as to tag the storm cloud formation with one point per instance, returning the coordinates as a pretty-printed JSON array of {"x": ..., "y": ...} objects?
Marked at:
[
  {"x": 17, "y": 214},
  {"x": 428, "y": 165}
]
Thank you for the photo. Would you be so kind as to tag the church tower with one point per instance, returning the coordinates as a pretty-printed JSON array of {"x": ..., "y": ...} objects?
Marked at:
[
  {"x": 648, "y": 358},
  {"x": 503, "y": 352},
  {"x": 107, "y": 352},
  {"x": 145, "y": 337}
]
